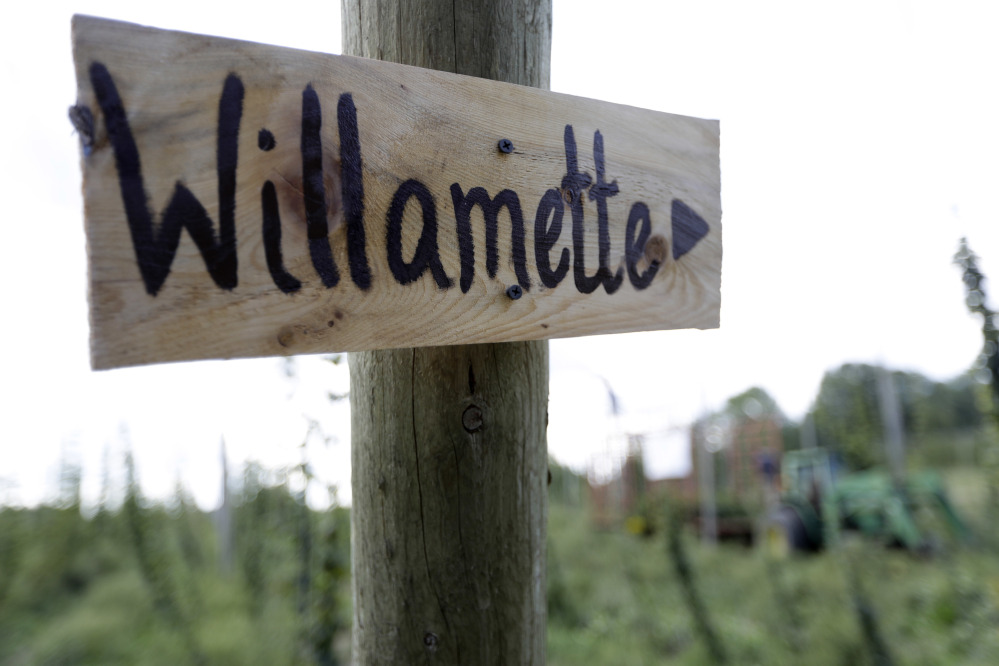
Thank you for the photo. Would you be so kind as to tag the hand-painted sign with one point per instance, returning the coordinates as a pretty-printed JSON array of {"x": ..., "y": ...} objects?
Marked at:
[{"x": 340, "y": 204}]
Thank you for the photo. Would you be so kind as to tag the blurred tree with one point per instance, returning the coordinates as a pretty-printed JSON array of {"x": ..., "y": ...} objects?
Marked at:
[
  {"x": 938, "y": 406},
  {"x": 974, "y": 284},
  {"x": 149, "y": 535},
  {"x": 318, "y": 542},
  {"x": 791, "y": 433},
  {"x": 754, "y": 403},
  {"x": 333, "y": 573},
  {"x": 564, "y": 485},
  {"x": 12, "y": 541},
  {"x": 188, "y": 520},
  {"x": 70, "y": 478},
  {"x": 847, "y": 415},
  {"x": 692, "y": 595},
  {"x": 987, "y": 363},
  {"x": 252, "y": 533},
  {"x": 847, "y": 412}
]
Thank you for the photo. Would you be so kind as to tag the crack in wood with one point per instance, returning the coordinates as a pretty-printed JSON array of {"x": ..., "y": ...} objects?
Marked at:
[{"x": 419, "y": 489}]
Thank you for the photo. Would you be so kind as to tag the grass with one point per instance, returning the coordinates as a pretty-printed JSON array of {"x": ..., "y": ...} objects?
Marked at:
[
  {"x": 614, "y": 598},
  {"x": 619, "y": 601}
]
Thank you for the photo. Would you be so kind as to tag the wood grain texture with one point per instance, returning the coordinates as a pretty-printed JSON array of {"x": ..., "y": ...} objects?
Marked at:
[
  {"x": 435, "y": 127},
  {"x": 448, "y": 448},
  {"x": 448, "y": 466}
]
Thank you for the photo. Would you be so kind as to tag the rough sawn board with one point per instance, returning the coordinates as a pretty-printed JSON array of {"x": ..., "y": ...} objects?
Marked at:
[{"x": 247, "y": 200}]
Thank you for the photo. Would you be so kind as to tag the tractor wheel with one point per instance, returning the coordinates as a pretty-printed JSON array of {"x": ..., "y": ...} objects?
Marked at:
[{"x": 785, "y": 534}]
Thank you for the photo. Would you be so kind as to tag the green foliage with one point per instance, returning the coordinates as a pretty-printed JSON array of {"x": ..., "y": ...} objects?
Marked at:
[
  {"x": 847, "y": 415},
  {"x": 791, "y": 434},
  {"x": 987, "y": 364},
  {"x": 141, "y": 585},
  {"x": 75, "y": 591},
  {"x": 863, "y": 604},
  {"x": 753, "y": 403},
  {"x": 157, "y": 559},
  {"x": 564, "y": 485},
  {"x": 115, "y": 624},
  {"x": 977, "y": 301},
  {"x": 848, "y": 419},
  {"x": 613, "y": 598},
  {"x": 692, "y": 594},
  {"x": 332, "y": 577}
]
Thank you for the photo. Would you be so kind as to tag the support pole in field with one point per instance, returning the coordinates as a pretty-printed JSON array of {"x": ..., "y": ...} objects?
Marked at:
[
  {"x": 706, "y": 485},
  {"x": 894, "y": 429},
  {"x": 449, "y": 457}
]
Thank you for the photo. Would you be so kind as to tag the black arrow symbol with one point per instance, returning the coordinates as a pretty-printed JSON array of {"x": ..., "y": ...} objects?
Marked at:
[{"x": 688, "y": 228}]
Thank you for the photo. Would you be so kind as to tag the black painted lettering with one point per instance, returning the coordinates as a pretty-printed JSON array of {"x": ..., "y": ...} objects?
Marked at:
[
  {"x": 466, "y": 250},
  {"x": 600, "y": 192},
  {"x": 545, "y": 238},
  {"x": 265, "y": 140},
  {"x": 573, "y": 184},
  {"x": 156, "y": 245},
  {"x": 427, "y": 255},
  {"x": 156, "y": 249},
  {"x": 352, "y": 188},
  {"x": 635, "y": 247},
  {"x": 463, "y": 204},
  {"x": 313, "y": 189},
  {"x": 271, "y": 230},
  {"x": 284, "y": 280}
]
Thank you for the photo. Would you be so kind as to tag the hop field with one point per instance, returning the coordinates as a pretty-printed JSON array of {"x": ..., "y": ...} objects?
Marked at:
[
  {"x": 615, "y": 598},
  {"x": 149, "y": 585}
]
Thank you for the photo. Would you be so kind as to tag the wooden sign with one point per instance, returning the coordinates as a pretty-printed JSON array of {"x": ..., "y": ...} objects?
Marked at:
[{"x": 247, "y": 200}]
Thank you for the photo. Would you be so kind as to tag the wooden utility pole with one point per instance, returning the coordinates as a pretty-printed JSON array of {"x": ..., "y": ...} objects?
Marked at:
[{"x": 449, "y": 457}]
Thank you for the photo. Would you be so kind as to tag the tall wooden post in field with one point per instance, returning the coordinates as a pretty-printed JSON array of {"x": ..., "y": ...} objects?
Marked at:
[{"x": 449, "y": 458}]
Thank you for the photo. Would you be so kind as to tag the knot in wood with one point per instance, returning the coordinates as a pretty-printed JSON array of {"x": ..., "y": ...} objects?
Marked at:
[
  {"x": 430, "y": 641},
  {"x": 286, "y": 336},
  {"x": 83, "y": 122},
  {"x": 471, "y": 419}
]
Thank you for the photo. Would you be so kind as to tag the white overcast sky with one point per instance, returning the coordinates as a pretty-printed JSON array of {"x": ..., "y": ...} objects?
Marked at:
[{"x": 859, "y": 143}]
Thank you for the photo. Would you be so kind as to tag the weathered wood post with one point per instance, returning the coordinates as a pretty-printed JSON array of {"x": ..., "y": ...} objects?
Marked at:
[{"x": 449, "y": 457}]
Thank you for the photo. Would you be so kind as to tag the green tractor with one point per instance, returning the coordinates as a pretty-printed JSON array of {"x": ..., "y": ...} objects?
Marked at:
[{"x": 819, "y": 501}]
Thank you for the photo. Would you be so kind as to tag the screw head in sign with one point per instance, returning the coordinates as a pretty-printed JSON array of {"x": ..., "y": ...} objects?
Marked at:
[
  {"x": 514, "y": 291},
  {"x": 505, "y": 146}
]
